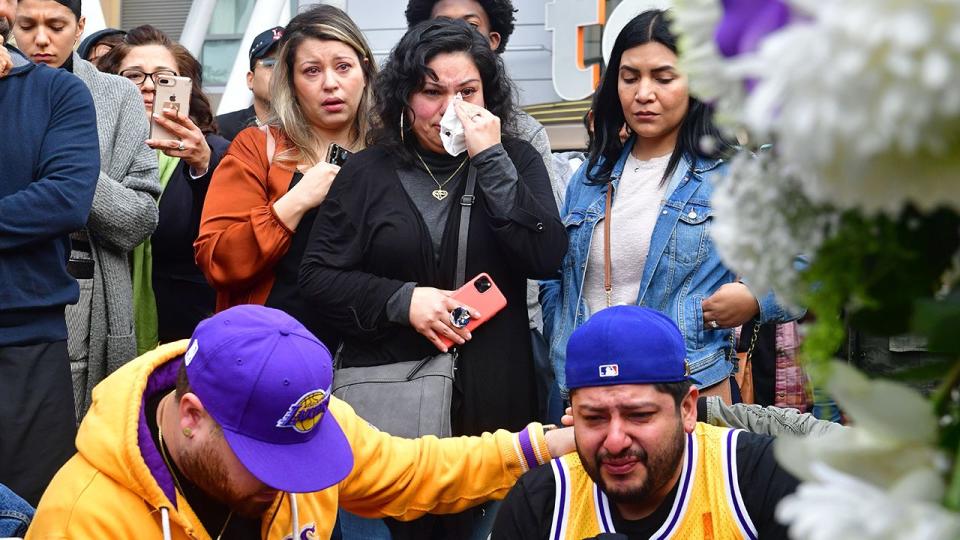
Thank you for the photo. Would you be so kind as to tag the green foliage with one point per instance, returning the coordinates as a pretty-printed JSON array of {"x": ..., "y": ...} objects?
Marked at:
[
  {"x": 939, "y": 321},
  {"x": 882, "y": 273}
]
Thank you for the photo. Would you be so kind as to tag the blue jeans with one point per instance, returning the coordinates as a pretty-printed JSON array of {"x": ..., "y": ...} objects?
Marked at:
[
  {"x": 354, "y": 527},
  {"x": 472, "y": 524},
  {"x": 15, "y": 514},
  {"x": 824, "y": 407},
  {"x": 555, "y": 405}
]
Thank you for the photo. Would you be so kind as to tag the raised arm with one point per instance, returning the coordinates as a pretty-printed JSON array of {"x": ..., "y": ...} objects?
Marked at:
[
  {"x": 406, "y": 478},
  {"x": 521, "y": 206},
  {"x": 241, "y": 238}
]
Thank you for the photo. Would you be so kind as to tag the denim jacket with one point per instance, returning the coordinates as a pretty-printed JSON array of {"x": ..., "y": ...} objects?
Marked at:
[
  {"x": 15, "y": 514},
  {"x": 682, "y": 269}
]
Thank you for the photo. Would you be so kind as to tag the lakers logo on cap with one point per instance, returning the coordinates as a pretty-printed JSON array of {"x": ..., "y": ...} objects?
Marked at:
[{"x": 306, "y": 412}]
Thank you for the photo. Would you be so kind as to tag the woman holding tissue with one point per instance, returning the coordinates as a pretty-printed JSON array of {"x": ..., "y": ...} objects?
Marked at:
[
  {"x": 380, "y": 262},
  {"x": 264, "y": 197}
]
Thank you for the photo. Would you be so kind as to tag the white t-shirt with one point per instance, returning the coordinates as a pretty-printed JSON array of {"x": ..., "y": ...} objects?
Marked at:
[{"x": 636, "y": 206}]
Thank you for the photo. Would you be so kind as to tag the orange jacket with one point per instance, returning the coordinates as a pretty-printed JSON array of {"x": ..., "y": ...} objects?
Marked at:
[
  {"x": 107, "y": 489},
  {"x": 241, "y": 238}
]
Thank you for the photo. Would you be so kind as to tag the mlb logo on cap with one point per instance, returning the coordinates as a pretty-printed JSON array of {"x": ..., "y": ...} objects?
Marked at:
[
  {"x": 609, "y": 370},
  {"x": 626, "y": 345}
]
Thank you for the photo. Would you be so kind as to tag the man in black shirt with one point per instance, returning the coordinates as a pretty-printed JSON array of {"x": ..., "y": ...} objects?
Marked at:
[
  {"x": 263, "y": 53},
  {"x": 644, "y": 466}
]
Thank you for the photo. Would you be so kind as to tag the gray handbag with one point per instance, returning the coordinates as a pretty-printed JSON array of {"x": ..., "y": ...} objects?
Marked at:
[{"x": 409, "y": 399}]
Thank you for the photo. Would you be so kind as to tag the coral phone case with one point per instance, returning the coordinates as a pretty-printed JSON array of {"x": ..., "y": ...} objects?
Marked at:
[{"x": 482, "y": 294}]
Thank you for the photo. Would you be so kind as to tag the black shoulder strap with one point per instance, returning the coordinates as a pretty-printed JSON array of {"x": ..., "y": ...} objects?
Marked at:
[{"x": 466, "y": 202}]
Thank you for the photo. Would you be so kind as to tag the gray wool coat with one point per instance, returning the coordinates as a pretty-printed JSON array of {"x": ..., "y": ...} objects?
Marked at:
[{"x": 124, "y": 214}]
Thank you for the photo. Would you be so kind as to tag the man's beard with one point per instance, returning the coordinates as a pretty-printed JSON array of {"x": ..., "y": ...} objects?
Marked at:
[
  {"x": 4, "y": 30},
  {"x": 205, "y": 469},
  {"x": 660, "y": 468}
]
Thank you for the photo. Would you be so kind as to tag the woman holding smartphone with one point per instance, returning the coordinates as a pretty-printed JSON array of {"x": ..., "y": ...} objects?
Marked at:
[
  {"x": 264, "y": 197},
  {"x": 381, "y": 259},
  {"x": 171, "y": 296}
]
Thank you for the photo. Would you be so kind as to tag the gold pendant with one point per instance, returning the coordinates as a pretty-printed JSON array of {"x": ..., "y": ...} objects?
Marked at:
[{"x": 439, "y": 194}]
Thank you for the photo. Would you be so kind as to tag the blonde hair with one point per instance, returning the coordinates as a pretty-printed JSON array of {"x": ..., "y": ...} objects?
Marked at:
[{"x": 323, "y": 22}]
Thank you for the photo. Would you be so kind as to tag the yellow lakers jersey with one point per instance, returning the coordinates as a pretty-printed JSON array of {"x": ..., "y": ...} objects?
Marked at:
[{"x": 708, "y": 504}]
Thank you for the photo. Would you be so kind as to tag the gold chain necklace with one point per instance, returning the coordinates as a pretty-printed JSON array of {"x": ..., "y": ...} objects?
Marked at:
[
  {"x": 440, "y": 193},
  {"x": 166, "y": 461}
]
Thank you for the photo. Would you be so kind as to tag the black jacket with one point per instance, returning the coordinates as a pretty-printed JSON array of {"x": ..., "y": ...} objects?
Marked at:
[
  {"x": 234, "y": 122},
  {"x": 183, "y": 296},
  {"x": 369, "y": 239}
]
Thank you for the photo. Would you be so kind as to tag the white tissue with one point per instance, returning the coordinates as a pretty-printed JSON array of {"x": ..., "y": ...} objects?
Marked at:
[{"x": 451, "y": 129}]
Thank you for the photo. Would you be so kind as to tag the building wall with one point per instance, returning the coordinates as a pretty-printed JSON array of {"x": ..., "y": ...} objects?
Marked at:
[
  {"x": 527, "y": 56},
  {"x": 167, "y": 15}
]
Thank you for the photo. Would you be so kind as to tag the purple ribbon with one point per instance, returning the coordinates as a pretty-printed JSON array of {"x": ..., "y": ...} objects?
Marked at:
[{"x": 746, "y": 22}]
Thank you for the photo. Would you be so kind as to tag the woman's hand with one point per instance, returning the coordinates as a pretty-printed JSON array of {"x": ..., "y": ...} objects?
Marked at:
[
  {"x": 315, "y": 184},
  {"x": 481, "y": 128},
  {"x": 430, "y": 315},
  {"x": 192, "y": 146},
  {"x": 309, "y": 192},
  {"x": 730, "y": 306},
  {"x": 6, "y": 63}
]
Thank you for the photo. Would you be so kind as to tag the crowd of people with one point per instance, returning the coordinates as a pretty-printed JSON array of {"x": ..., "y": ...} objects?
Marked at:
[{"x": 184, "y": 287}]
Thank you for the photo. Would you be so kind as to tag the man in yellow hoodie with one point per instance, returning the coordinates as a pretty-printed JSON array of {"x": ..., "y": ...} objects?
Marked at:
[{"x": 234, "y": 434}]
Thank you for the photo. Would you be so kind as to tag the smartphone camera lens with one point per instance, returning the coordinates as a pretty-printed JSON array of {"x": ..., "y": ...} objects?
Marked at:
[{"x": 482, "y": 284}]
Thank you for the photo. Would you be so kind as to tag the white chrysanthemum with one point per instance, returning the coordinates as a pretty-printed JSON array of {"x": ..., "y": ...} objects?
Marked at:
[
  {"x": 864, "y": 101},
  {"x": 881, "y": 479},
  {"x": 763, "y": 222},
  {"x": 838, "y": 506},
  {"x": 710, "y": 76}
]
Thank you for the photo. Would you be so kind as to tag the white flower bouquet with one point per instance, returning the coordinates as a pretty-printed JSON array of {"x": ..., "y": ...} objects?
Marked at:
[{"x": 851, "y": 205}]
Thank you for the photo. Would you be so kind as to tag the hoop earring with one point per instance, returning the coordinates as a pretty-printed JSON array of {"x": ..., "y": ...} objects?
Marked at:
[{"x": 403, "y": 113}]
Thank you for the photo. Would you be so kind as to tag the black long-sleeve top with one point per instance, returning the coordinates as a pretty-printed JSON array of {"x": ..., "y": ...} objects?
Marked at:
[
  {"x": 184, "y": 298},
  {"x": 369, "y": 240}
]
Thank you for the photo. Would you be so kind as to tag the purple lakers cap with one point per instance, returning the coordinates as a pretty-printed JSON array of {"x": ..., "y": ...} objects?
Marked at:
[
  {"x": 267, "y": 380},
  {"x": 626, "y": 345}
]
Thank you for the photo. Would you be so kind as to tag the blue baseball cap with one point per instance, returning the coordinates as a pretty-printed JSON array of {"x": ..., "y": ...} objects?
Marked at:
[
  {"x": 626, "y": 345},
  {"x": 264, "y": 43},
  {"x": 267, "y": 381}
]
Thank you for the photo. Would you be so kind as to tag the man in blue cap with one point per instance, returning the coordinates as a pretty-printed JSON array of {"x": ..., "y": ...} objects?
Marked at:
[
  {"x": 263, "y": 56},
  {"x": 644, "y": 466}
]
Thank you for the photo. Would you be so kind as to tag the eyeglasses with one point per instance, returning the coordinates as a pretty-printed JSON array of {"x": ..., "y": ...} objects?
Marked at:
[
  {"x": 267, "y": 62},
  {"x": 138, "y": 77}
]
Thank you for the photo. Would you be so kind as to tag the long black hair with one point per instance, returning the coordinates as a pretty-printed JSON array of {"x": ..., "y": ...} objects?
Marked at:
[
  {"x": 406, "y": 72},
  {"x": 608, "y": 118}
]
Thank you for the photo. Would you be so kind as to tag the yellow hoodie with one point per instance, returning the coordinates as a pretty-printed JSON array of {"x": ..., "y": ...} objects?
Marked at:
[{"x": 107, "y": 490}]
